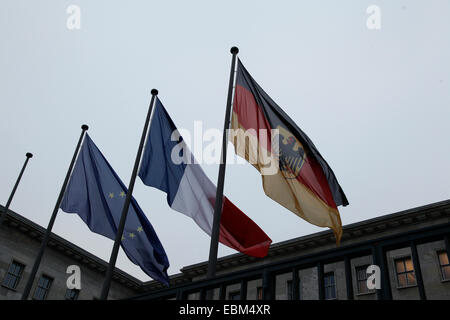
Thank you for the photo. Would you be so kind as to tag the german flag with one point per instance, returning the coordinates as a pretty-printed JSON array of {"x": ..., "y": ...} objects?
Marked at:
[{"x": 294, "y": 174}]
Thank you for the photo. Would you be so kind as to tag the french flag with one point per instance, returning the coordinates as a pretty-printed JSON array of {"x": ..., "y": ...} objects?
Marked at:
[{"x": 189, "y": 191}]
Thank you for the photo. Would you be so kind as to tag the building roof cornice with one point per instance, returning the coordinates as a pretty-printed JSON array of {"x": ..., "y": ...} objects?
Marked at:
[{"x": 36, "y": 232}]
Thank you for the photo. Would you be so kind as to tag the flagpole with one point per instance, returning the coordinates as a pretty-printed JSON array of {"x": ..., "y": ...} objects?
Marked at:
[
  {"x": 48, "y": 232},
  {"x": 123, "y": 217},
  {"x": 3, "y": 216},
  {"x": 220, "y": 182}
]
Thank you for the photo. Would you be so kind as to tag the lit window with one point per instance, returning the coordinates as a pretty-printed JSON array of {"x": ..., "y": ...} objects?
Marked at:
[
  {"x": 405, "y": 272},
  {"x": 13, "y": 275},
  {"x": 43, "y": 288},
  {"x": 259, "y": 293},
  {"x": 72, "y": 294},
  {"x": 330, "y": 286},
  {"x": 444, "y": 264},
  {"x": 361, "y": 279}
]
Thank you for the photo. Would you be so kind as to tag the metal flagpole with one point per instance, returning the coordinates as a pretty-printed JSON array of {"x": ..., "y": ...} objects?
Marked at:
[
  {"x": 123, "y": 217},
  {"x": 37, "y": 262},
  {"x": 3, "y": 216},
  {"x": 220, "y": 182}
]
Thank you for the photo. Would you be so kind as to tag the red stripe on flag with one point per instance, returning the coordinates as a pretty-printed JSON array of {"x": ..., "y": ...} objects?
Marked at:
[
  {"x": 239, "y": 232},
  {"x": 250, "y": 116},
  {"x": 311, "y": 175}
]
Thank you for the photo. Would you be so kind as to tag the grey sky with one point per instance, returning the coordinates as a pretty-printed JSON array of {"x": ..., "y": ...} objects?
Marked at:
[{"x": 376, "y": 103}]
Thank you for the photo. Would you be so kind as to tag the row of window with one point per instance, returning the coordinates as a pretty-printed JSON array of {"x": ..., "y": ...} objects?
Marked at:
[
  {"x": 406, "y": 276},
  {"x": 14, "y": 274},
  {"x": 329, "y": 288},
  {"x": 404, "y": 270}
]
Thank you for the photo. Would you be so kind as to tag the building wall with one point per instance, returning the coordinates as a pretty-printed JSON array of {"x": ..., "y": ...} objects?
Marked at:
[
  {"x": 281, "y": 289},
  {"x": 435, "y": 287},
  {"x": 18, "y": 246},
  {"x": 399, "y": 293},
  {"x": 338, "y": 268},
  {"x": 392, "y": 225},
  {"x": 309, "y": 283},
  {"x": 355, "y": 238},
  {"x": 355, "y": 263},
  {"x": 252, "y": 289},
  {"x": 232, "y": 288}
]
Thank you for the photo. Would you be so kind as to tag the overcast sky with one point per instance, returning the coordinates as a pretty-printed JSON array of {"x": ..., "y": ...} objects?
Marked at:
[{"x": 376, "y": 103}]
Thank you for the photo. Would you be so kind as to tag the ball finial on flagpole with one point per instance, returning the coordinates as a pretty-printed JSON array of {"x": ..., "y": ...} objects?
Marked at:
[
  {"x": 84, "y": 127},
  {"x": 29, "y": 155},
  {"x": 234, "y": 50},
  {"x": 154, "y": 92}
]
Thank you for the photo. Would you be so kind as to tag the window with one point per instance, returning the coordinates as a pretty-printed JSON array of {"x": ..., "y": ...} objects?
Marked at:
[
  {"x": 259, "y": 293},
  {"x": 13, "y": 275},
  {"x": 444, "y": 265},
  {"x": 43, "y": 288},
  {"x": 72, "y": 294},
  {"x": 361, "y": 280},
  {"x": 405, "y": 272},
  {"x": 290, "y": 290},
  {"x": 330, "y": 286},
  {"x": 235, "y": 295}
]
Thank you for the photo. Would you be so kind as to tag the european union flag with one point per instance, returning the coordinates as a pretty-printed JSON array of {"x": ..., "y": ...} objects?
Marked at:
[{"x": 97, "y": 195}]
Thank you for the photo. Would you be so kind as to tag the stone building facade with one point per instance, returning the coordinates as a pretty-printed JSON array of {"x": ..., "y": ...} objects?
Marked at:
[
  {"x": 414, "y": 250},
  {"x": 20, "y": 240},
  {"x": 411, "y": 248}
]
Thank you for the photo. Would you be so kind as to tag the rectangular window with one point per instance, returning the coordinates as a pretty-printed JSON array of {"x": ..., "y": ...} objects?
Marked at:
[
  {"x": 235, "y": 295},
  {"x": 361, "y": 279},
  {"x": 330, "y": 286},
  {"x": 444, "y": 265},
  {"x": 405, "y": 272},
  {"x": 43, "y": 288},
  {"x": 290, "y": 290},
  {"x": 72, "y": 294},
  {"x": 259, "y": 293},
  {"x": 12, "y": 277}
]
